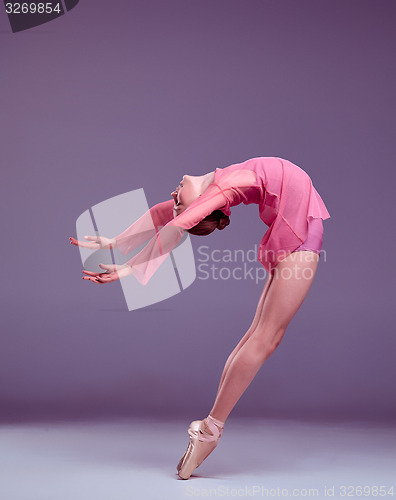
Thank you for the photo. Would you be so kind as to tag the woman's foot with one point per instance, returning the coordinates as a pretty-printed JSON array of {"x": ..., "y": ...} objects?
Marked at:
[{"x": 204, "y": 437}]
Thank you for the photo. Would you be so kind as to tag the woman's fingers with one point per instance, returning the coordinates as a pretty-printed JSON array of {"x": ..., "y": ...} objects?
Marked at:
[
  {"x": 107, "y": 278},
  {"x": 90, "y": 273},
  {"x": 84, "y": 244},
  {"x": 94, "y": 280},
  {"x": 109, "y": 267},
  {"x": 101, "y": 277},
  {"x": 96, "y": 277},
  {"x": 73, "y": 241},
  {"x": 95, "y": 242}
]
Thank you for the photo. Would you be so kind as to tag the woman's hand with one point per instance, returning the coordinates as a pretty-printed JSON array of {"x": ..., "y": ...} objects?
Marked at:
[
  {"x": 95, "y": 242},
  {"x": 113, "y": 272}
]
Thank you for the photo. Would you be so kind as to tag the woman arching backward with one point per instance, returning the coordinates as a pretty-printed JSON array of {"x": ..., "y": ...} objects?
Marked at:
[{"x": 289, "y": 250}]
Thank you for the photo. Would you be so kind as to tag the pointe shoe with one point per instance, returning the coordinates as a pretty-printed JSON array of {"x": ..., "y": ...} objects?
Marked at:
[{"x": 203, "y": 440}]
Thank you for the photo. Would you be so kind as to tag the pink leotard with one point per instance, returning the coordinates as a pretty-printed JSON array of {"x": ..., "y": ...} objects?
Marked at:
[
  {"x": 314, "y": 238},
  {"x": 287, "y": 203}
]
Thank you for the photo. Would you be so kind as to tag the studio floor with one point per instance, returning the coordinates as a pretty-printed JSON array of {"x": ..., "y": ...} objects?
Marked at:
[{"x": 136, "y": 459}]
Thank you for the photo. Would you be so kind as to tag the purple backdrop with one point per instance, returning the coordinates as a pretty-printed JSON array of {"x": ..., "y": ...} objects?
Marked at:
[{"x": 115, "y": 96}]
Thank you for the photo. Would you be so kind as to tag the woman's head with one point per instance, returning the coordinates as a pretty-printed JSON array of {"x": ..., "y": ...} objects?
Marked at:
[
  {"x": 186, "y": 192},
  {"x": 216, "y": 220},
  {"x": 189, "y": 189}
]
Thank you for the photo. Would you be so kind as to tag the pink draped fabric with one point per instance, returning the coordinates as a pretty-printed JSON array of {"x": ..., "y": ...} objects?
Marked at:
[{"x": 286, "y": 200}]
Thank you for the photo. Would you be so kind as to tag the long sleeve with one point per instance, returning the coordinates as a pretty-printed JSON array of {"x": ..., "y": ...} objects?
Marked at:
[
  {"x": 145, "y": 227},
  {"x": 146, "y": 262}
]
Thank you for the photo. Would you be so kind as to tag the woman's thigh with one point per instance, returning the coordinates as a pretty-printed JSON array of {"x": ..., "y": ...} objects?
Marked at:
[
  {"x": 281, "y": 296},
  {"x": 292, "y": 279}
]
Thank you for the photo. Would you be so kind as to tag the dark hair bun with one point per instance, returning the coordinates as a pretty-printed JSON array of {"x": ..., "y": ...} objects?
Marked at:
[
  {"x": 216, "y": 220},
  {"x": 223, "y": 220}
]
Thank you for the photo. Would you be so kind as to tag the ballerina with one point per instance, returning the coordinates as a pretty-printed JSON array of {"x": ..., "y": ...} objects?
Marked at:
[{"x": 290, "y": 251}]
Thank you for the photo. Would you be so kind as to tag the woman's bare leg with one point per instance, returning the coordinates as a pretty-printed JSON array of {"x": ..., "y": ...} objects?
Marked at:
[
  {"x": 286, "y": 292},
  {"x": 248, "y": 333},
  {"x": 239, "y": 345}
]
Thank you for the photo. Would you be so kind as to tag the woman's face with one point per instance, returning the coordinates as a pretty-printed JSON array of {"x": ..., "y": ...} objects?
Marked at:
[{"x": 185, "y": 193}]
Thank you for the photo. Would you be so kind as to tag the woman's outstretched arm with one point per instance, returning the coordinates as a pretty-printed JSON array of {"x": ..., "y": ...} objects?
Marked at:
[
  {"x": 137, "y": 233},
  {"x": 145, "y": 227},
  {"x": 145, "y": 263}
]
